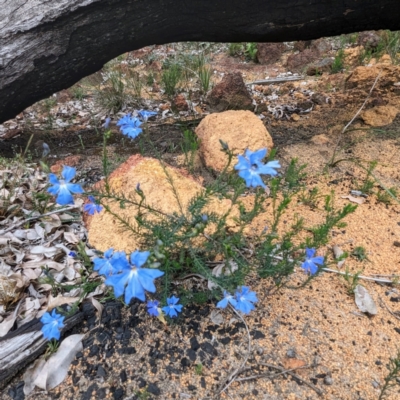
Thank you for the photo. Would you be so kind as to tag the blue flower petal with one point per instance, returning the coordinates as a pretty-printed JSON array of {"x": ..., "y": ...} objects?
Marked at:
[
  {"x": 118, "y": 282},
  {"x": 243, "y": 163},
  {"x": 318, "y": 260},
  {"x": 54, "y": 189},
  {"x": 310, "y": 253},
  {"x": 223, "y": 303},
  {"x": 134, "y": 289},
  {"x": 53, "y": 179},
  {"x": 64, "y": 196},
  {"x": 74, "y": 188},
  {"x": 146, "y": 277},
  {"x": 68, "y": 173},
  {"x": 170, "y": 311},
  {"x": 256, "y": 156},
  {"x": 138, "y": 258}
]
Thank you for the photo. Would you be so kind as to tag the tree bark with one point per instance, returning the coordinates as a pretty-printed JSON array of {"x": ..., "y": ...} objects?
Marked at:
[
  {"x": 22, "y": 346},
  {"x": 46, "y": 46}
]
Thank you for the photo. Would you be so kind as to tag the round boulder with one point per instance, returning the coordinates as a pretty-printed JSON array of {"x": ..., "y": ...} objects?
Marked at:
[
  {"x": 148, "y": 175},
  {"x": 241, "y": 130}
]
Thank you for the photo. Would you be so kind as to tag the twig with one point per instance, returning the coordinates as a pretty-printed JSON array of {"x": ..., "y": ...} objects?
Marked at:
[
  {"x": 387, "y": 308},
  {"x": 232, "y": 377},
  {"x": 355, "y": 116},
  {"x": 37, "y": 217},
  {"x": 248, "y": 378},
  {"x": 365, "y": 102},
  {"x": 276, "y": 80},
  {"x": 367, "y": 278},
  {"x": 289, "y": 371}
]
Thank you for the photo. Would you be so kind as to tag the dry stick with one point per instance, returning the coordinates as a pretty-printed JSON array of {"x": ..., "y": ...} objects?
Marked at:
[
  {"x": 356, "y": 115},
  {"x": 390, "y": 311},
  {"x": 248, "y": 378},
  {"x": 236, "y": 372},
  {"x": 289, "y": 371},
  {"x": 367, "y": 278},
  {"x": 37, "y": 217}
]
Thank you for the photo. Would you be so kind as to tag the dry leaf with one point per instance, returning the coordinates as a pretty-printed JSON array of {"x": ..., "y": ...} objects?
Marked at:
[
  {"x": 59, "y": 301},
  {"x": 358, "y": 200},
  {"x": 338, "y": 252},
  {"x": 98, "y": 307},
  {"x": 56, "y": 368},
  {"x": 216, "y": 317}
]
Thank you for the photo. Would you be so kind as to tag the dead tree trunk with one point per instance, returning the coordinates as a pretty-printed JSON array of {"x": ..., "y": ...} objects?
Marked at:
[
  {"x": 48, "y": 46},
  {"x": 22, "y": 346}
]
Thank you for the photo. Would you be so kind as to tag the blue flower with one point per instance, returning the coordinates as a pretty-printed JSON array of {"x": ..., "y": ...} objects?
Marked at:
[
  {"x": 310, "y": 264},
  {"x": 111, "y": 263},
  {"x": 72, "y": 254},
  {"x": 130, "y": 126},
  {"x": 52, "y": 324},
  {"x": 152, "y": 308},
  {"x": 63, "y": 188},
  {"x": 245, "y": 299},
  {"x": 228, "y": 298},
  {"x": 134, "y": 280},
  {"x": 92, "y": 207},
  {"x": 107, "y": 123},
  {"x": 250, "y": 167},
  {"x": 172, "y": 308},
  {"x": 145, "y": 115}
]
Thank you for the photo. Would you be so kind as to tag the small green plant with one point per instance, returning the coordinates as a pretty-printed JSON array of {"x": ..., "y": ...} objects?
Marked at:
[
  {"x": 310, "y": 197},
  {"x": 393, "y": 377},
  {"x": 338, "y": 62},
  {"x": 392, "y": 44},
  {"x": 205, "y": 73},
  {"x": 189, "y": 147},
  {"x": 198, "y": 369},
  {"x": 352, "y": 280},
  {"x": 368, "y": 184},
  {"x": 235, "y": 49},
  {"x": 170, "y": 78},
  {"x": 52, "y": 347},
  {"x": 251, "y": 51},
  {"x": 78, "y": 92},
  {"x": 359, "y": 253},
  {"x": 150, "y": 79},
  {"x": 142, "y": 394},
  {"x": 135, "y": 83},
  {"x": 386, "y": 196},
  {"x": 113, "y": 96}
]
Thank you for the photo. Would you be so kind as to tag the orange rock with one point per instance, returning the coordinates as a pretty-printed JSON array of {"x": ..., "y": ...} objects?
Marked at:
[
  {"x": 379, "y": 116},
  {"x": 71, "y": 161},
  {"x": 241, "y": 130},
  {"x": 105, "y": 230}
]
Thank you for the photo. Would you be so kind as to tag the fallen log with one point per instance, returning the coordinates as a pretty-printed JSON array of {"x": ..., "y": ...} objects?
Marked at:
[
  {"x": 48, "y": 46},
  {"x": 22, "y": 346}
]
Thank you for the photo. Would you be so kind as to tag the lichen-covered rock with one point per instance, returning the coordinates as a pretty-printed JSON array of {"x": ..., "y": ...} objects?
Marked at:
[
  {"x": 105, "y": 230},
  {"x": 241, "y": 130},
  {"x": 298, "y": 62},
  {"x": 320, "y": 67},
  {"x": 268, "y": 53},
  {"x": 230, "y": 94},
  {"x": 379, "y": 116},
  {"x": 370, "y": 40}
]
